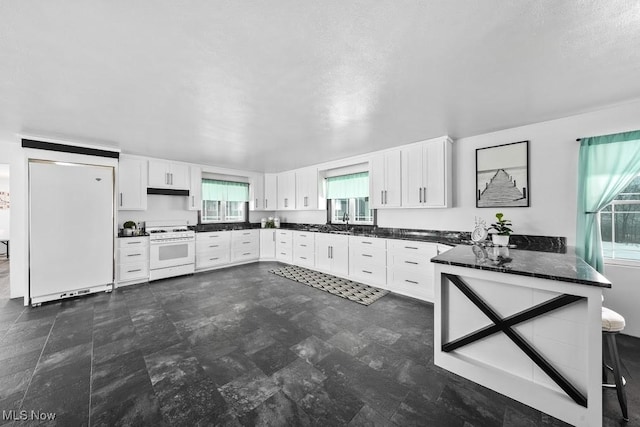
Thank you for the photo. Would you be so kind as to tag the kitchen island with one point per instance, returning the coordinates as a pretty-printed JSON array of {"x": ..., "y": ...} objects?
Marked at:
[{"x": 526, "y": 324}]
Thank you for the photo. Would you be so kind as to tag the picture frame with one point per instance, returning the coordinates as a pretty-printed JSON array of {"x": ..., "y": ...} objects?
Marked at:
[{"x": 502, "y": 176}]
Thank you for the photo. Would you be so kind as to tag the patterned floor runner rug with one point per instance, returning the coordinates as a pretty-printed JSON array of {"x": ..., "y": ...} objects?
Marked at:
[{"x": 354, "y": 291}]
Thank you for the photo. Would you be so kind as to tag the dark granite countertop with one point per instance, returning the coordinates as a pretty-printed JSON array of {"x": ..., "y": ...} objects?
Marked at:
[
  {"x": 564, "y": 267},
  {"x": 451, "y": 238}
]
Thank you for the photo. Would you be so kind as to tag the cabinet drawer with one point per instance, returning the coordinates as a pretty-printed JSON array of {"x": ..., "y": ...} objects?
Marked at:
[
  {"x": 211, "y": 236},
  {"x": 417, "y": 261},
  {"x": 212, "y": 246},
  {"x": 284, "y": 255},
  {"x": 206, "y": 260},
  {"x": 368, "y": 256},
  {"x": 305, "y": 237},
  {"x": 375, "y": 274},
  {"x": 246, "y": 254},
  {"x": 132, "y": 271},
  {"x": 245, "y": 245},
  {"x": 284, "y": 234},
  {"x": 133, "y": 254},
  {"x": 409, "y": 283},
  {"x": 130, "y": 242},
  {"x": 409, "y": 246},
  {"x": 367, "y": 242},
  {"x": 238, "y": 236}
]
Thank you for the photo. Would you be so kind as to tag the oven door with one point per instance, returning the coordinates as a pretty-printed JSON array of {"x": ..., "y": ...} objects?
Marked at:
[{"x": 171, "y": 254}]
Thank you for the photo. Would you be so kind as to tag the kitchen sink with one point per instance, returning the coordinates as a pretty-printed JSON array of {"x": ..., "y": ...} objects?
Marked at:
[{"x": 348, "y": 233}]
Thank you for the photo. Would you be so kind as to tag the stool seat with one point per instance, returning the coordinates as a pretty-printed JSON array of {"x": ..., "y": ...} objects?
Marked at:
[{"x": 611, "y": 321}]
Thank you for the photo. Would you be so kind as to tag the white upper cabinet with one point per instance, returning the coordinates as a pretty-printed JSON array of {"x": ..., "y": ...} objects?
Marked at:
[
  {"x": 256, "y": 200},
  {"x": 270, "y": 191},
  {"x": 286, "y": 191},
  {"x": 307, "y": 189},
  {"x": 385, "y": 178},
  {"x": 132, "y": 184},
  {"x": 426, "y": 174},
  {"x": 195, "y": 190},
  {"x": 164, "y": 174}
]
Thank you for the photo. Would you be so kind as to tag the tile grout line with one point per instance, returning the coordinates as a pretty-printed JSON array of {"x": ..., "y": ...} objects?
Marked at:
[
  {"x": 39, "y": 358},
  {"x": 13, "y": 324}
]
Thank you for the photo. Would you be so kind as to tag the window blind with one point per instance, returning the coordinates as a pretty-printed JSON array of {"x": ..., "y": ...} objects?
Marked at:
[
  {"x": 348, "y": 186},
  {"x": 228, "y": 191}
]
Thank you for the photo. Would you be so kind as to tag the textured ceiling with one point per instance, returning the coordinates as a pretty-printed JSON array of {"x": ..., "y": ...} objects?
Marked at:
[{"x": 280, "y": 84}]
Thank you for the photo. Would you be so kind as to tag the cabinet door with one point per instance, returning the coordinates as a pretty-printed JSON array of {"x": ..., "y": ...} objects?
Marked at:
[
  {"x": 287, "y": 191},
  {"x": 377, "y": 181},
  {"x": 132, "y": 184},
  {"x": 179, "y": 176},
  {"x": 268, "y": 243},
  {"x": 256, "y": 202},
  {"x": 195, "y": 188},
  {"x": 340, "y": 255},
  {"x": 393, "y": 179},
  {"x": 306, "y": 189},
  {"x": 434, "y": 174},
  {"x": 323, "y": 252},
  {"x": 412, "y": 176},
  {"x": 270, "y": 191},
  {"x": 159, "y": 174}
]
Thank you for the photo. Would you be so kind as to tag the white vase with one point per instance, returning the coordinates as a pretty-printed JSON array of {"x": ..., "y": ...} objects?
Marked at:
[{"x": 499, "y": 240}]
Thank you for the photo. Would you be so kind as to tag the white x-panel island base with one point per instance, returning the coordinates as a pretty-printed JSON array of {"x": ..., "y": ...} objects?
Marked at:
[{"x": 525, "y": 324}]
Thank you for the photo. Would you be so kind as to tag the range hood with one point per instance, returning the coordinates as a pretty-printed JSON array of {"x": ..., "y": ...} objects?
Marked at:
[{"x": 167, "y": 191}]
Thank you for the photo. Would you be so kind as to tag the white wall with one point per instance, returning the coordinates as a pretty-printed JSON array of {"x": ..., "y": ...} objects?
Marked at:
[{"x": 161, "y": 208}]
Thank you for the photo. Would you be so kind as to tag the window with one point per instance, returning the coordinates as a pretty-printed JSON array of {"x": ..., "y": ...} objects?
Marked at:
[
  {"x": 349, "y": 199},
  {"x": 620, "y": 224},
  {"x": 224, "y": 201}
]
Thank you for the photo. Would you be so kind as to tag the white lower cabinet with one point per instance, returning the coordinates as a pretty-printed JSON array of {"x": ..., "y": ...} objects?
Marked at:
[
  {"x": 267, "y": 244},
  {"x": 332, "y": 254},
  {"x": 213, "y": 249},
  {"x": 409, "y": 269},
  {"x": 133, "y": 260},
  {"x": 304, "y": 249},
  {"x": 284, "y": 246},
  {"x": 245, "y": 245},
  {"x": 368, "y": 260}
]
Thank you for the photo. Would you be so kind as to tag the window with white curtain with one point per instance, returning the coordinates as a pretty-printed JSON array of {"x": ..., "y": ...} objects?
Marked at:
[
  {"x": 620, "y": 224},
  {"x": 348, "y": 197},
  {"x": 224, "y": 201}
]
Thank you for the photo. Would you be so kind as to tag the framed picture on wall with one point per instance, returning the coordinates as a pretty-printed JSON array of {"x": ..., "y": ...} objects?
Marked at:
[
  {"x": 4, "y": 200},
  {"x": 502, "y": 176}
]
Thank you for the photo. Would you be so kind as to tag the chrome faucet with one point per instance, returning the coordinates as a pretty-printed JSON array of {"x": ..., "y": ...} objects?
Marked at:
[{"x": 345, "y": 219}]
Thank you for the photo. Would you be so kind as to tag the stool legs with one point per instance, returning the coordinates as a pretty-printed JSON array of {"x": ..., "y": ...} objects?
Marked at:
[{"x": 617, "y": 374}]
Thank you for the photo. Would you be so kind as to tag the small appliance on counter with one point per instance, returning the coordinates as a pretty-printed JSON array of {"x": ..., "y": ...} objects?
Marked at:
[{"x": 172, "y": 249}]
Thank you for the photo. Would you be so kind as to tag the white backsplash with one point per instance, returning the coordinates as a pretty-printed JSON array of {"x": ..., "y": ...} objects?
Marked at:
[{"x": 160, "y": 208}]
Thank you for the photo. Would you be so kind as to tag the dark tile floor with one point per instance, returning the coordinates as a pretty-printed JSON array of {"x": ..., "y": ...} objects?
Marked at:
[{"x": 241, "y": 346}]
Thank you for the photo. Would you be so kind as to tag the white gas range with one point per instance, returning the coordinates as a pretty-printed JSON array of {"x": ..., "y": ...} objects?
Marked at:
[{"x": 172, "y": 249}]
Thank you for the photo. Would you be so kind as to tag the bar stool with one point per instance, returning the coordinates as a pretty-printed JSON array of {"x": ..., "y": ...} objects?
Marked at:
[{"x": 612, "y": 324}]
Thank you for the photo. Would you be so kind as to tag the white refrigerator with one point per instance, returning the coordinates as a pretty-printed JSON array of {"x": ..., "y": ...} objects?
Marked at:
[{"x": 71, "y": 230}]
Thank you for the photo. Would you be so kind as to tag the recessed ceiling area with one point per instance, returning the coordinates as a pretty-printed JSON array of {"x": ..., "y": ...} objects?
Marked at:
[{"x": 277, "y": 85}]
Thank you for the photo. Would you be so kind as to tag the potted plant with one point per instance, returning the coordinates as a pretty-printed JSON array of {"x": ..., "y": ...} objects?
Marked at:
[
  {"x": 503, "y": 230},
  {"x": 128, "y": 228}
]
